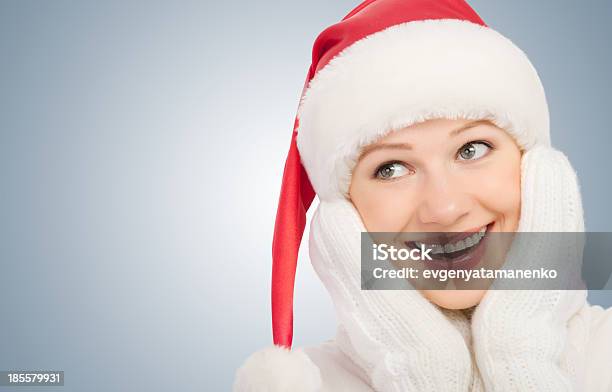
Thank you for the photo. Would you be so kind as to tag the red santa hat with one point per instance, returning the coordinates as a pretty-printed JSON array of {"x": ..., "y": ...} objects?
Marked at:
[{"x": 389, "y": 64}]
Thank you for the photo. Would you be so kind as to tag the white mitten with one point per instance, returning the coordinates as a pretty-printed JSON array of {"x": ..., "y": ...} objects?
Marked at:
[
  {"x": 401, "y": 340},
  {"x": 520, "y": 335}
]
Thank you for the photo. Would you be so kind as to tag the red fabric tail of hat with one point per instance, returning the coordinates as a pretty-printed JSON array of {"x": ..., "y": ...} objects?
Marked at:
[{"x": 296, "y": 195}]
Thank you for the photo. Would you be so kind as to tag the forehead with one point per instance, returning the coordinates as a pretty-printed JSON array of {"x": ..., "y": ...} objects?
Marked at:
[{"x": 434, "y": 129}]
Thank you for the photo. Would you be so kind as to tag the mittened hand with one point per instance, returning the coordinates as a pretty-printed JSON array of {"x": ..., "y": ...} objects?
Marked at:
[
  {"x": 519, "y": 335},
  {"x": 401, "y": 340}
]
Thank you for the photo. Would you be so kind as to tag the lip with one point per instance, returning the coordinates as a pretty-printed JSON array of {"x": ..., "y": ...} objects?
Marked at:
[
  {"x": 450, "y": 237},
  {"x": 465, "y": 261}
]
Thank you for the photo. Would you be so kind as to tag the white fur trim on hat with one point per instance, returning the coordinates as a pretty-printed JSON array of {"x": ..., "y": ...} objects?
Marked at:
[
  {"x": 278, "y": 369},
  {"x": 409, "y": 73}
]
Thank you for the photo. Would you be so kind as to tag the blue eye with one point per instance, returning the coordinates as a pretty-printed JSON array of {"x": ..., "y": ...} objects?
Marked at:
[
  {"x": 391, "y": 170},
  {"x": 473, "y": 150}
]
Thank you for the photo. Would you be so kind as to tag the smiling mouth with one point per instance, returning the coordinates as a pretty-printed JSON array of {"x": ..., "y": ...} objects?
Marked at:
[{"x": 447, "y": 248}]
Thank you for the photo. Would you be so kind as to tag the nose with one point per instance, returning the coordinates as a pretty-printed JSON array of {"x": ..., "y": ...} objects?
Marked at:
[{"x": 444, "y": 202}]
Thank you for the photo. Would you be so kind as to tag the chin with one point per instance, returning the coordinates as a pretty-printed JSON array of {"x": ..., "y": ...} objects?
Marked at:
[{"x": 454, "y": 299}]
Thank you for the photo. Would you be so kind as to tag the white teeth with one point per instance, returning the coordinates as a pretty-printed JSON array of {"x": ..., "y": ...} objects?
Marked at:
[
  {"x": 437, "y": 249},
  {"x": 468, "y": 242}
]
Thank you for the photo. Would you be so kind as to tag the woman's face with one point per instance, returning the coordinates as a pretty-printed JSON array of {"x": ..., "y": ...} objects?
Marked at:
[{"x": 440, "y": 176}]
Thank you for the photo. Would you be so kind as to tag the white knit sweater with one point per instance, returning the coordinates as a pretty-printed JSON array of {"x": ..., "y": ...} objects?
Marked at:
[{"x": 588, "y": 356}]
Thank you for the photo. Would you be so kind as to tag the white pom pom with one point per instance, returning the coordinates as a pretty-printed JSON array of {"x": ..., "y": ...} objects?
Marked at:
[{"x": 276, "y": 369}]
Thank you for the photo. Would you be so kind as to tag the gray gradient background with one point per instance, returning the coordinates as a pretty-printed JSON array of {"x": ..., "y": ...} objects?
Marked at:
[{"x": 141, "y": 151}]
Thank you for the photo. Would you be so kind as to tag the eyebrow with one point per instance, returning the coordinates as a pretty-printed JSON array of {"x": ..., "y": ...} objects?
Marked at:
[
  {"x": 469, "y": 125},
  {"x": 407, "y": 146},
  {"x": 383, "y": 146}
]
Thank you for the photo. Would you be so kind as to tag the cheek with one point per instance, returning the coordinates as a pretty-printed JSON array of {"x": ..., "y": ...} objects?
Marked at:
[
  {"x": 499, "y": 188},
  {"x": 384, "y": 209}
]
